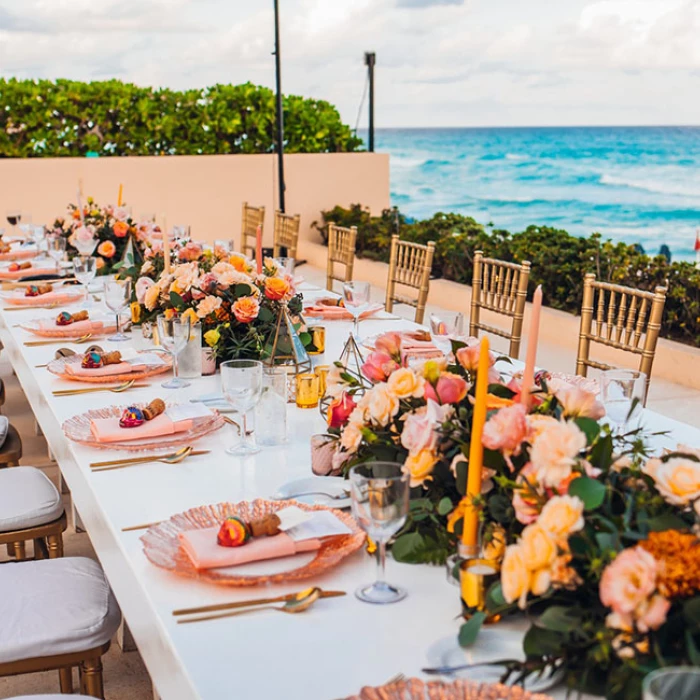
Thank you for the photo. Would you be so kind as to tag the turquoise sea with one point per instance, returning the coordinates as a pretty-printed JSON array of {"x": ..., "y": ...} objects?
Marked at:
[{"x": 635, "y": 184}]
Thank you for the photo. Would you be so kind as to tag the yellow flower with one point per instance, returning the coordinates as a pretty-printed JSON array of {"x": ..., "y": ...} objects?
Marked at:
[
  {"x": 678, "y": 479},
  {"x": 191, "y": 315},
  {"x": 212, "y": 337},
  {"x": 538, "y": 547},
  {"x": 562, "y": 515},
  {"x": 458, "y": 513},
  {"x": 515, "y": 576},
  {"x": 151, "y": 298},
  {"x": 135, "y": 312},
  {"x": 404, "y": 383},
  {"x": 495, "y": 547},
  {"x": 420, "y": 466}
]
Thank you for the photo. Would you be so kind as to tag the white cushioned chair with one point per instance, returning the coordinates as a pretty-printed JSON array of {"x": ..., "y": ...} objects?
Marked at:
[
  {"x": 57, "y": 614},
  {"x": 31, "y": 509},
  {"x": 49, "y": 697}
]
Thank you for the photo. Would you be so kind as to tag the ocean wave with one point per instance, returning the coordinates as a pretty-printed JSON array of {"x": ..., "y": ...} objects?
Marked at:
[{"x": 650, "y": 185}]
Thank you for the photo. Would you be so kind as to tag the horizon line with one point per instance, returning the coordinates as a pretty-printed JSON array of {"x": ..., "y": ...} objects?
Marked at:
[{"x": 541, "y": 126}]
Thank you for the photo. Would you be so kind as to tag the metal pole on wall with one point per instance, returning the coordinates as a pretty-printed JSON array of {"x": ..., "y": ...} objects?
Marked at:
[
  {"x": 370, "y": 60},
  {"x": 280, "y": 114}
]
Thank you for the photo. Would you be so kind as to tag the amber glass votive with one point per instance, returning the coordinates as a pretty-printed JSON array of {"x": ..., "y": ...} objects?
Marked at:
[
  {"x": 322, "y": 373},
  {"x": 307, "y": 390},
  {"x": 475, "y": 577},
  {"x": 318, "y": 339}
]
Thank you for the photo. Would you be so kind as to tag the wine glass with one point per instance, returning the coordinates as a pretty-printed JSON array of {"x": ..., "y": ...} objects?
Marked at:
[
  {"x": 356, "y": 297},
  {"x": 443, "y": 330},
  {"x": 622, "y": 392},
  {"x": 286, "y": 266},
  {"x": 242, "y": 382},
  {"x": 56, "y": 248},
  {"x": 380, "y": 505},
  {"x": 117, "y": 298},
  {"x": 14, "y": 216},
  {"x": 174, "y": 334},
  {"x": 672, "y": 683},
  {"x": 38, "y": 236},
  {"x": 180, "y": 233},
  {"x": 85, "y": 269}
]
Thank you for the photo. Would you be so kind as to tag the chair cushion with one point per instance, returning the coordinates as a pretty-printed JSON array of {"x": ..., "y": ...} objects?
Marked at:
[
  {"x": 50, "y": 697},
  {"x": 54, "y": 606},
  {"x": 27, "y": 499}
]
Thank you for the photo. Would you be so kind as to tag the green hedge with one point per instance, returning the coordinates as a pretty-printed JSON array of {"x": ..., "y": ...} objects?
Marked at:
[
  {"x": 559, "y": 260},
  {"x": 69, "y": 118}
]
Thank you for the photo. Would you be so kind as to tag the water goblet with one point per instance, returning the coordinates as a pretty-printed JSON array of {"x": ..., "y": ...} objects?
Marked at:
[
  {"x": 443, "y": 330},
  {"x": 117, "y": 298},
  {"x": 622, "y": 393},
  {"x": 242, "y": 384},
  {"x": 286, "y": 266},
  {"x": 672, "y": 683},
  {"x": 14, "y": 216},
  {"x": 84, "y": 269},
  {"x": 356, "y": 298},
  {"x": 56, "y": 248},
  {"x": 380, "y": 505},
  {"x": 174, "y": 334},
  {"x": 38, "y": 235}
]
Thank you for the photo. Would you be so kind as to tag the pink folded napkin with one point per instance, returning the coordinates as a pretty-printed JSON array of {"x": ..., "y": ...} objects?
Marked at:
[
  {"x": 76, "y": 370},
  {"x": 338, "y": 313},
  {"x": 109, "y": 430},
  {"x": 78, "y": 326},
  {"x": 423, "y": 349},
  {"x": 29, "y": 272},
  {"x": 204, "y": 552},
  {"x": 44, "y": 299}
]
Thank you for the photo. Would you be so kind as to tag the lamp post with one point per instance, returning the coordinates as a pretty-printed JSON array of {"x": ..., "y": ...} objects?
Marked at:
[
  {"x": 370, "y": 60},
  {"x": 280, "y": 114}
]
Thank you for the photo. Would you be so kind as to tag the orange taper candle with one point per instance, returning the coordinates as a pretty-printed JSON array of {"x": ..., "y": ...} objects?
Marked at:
[
  {"x": 121, "y": 192},
  {"x": 470, "y": 529},
  {"x": 529, "y": 371},
  {"x": 258, "y": 249}
]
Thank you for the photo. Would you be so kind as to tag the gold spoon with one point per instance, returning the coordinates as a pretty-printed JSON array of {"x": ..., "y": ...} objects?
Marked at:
[
  {"x": 299, "y": 603},
  {"x": 173, "y": 458},
  {"x": 77, "y": 341},
  {"x": 116, "y": 389}
]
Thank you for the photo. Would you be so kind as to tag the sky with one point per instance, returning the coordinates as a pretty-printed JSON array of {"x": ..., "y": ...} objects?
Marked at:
[{"x": 439, "y": 62}]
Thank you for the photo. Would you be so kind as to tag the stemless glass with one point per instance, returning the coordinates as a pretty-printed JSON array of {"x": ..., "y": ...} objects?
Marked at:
[
  {"x": 174, "y": 334},
  {"x": 117, "y": 298},
  {"x": 242, "y": 383},
  {"x": 85, "y": 270},
  {"x": 380, "y": 506},
  {"x": 286, "y": 265},
  {"x": 443, "y": 330},
  {"x": 56, "y": 248},
  {"x": 356, "y": 297},
  {"x": 672, "y": 683},
  {"x": 622, "y": 392}
]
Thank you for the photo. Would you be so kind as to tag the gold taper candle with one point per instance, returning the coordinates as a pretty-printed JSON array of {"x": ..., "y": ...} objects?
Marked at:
[
  {"x": 166, "y": 246},
  {"x": 121, "y": 192},
  {"x": 470, "y": 528}
]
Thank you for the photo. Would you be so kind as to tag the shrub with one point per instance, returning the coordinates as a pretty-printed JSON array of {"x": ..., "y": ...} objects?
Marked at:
[
  {"x": 70, "y": 118},
  {"x": 559, "y": 260}
]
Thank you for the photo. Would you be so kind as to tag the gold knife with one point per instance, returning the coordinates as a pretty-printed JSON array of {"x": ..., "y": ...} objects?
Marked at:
[
  {"x": 73, "y": 392},
  {"x": 136, "y": 460},
  {"x": 248, "y": 603}
]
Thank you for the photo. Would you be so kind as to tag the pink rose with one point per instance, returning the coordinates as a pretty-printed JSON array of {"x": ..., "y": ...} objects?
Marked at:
[
  {"x": 143, "y": 284},
  {"x": 468, "y": 356},
  {"x": 578, "y": 402},
  {"x": 651, "y": 615},
  {"x": 418, "y": 432},
  {"x": 450, "y": 388},
  {"x": 379, "y": 366},
  {"x": 629, "y": 581},
  {"x": 339, "y": 411},
  {"x": 190, "y": 251},
  {"x": 525, "y": 499},
  {"x": 506, "y": 430},
  {"x": 389, "y": 343}
]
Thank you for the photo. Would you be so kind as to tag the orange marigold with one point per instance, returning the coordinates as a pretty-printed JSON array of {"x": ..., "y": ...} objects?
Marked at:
[{"x": 679, "y": 556}]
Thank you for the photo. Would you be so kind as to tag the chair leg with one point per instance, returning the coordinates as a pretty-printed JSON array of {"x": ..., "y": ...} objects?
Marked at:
[
  {"x": 65, "y": 680},
  {"x": 55, "y": 545},
  {"x": 92, "y": 676},
  {"x": 40, "y": 549},
  {"x": 20, "y": 551}
]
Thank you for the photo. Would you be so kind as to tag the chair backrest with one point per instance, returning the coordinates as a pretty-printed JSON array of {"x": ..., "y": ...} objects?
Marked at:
[
  {"x": 409, "y": 265},
  {"x": 341, "y": 251},
  {"x": 252, "y": 218},
  {"x": 500, "y": 287},
  {"x": 619, "y": 317},
  {"x": 286, "y": 233}
]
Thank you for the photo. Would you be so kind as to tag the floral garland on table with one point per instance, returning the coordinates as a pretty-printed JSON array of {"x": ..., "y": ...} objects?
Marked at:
[
  {"x": 237, "y": 308},
  {"x": 109, "y": 227},
  {"x": 595, "y": 540}
]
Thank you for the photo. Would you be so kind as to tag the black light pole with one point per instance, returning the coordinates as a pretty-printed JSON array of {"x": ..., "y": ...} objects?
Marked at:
[
  {"x": 280, "y": 115},
  {"x": 370, "y": 60}
]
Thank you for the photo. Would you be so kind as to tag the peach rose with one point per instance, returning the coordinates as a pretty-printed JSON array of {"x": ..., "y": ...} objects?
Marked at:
[
  {"x": 418, "y": 432},
  {"x": 562, "y": 515},
  {"x": 378, "y": 366},
  {"x": 276, "y": 288},
  {"x": 190, "y": 251},
  {"x": 143, "y": 284},
  {"x": 186, "y": 276},
  {"x": 339, "y": 410},
  {"x": 677, "y": 479},
  {"x": 120, "y": 228},
  {"x": 578, "y": 402},
  {"x": 506, "y": 430},
  {"x": 245, "y": 309},
  {"x": 538, "y": 547},
  {"x": 239, "y": 263},
  {"x": 390, "y": 343},
  {"x": 525, "y": 498},
  {"x": 468, "y": 357},
  {"x": 652, "y": 614},
  {"x": 227, "y": 275},
  {"x": 554, "y": 452},
  {"x": 405, "y": 383},
  {"x": 207, "y": 306},
  {"x": 107, "y": 249},
  {"x": 420, "y": 466},
  {"x": 629, "y": 580},
  {"x": 495, "y": 544},
  {"x": 515, "y": 575},
  {"x": 351, "y": 437},
  {"x": 151, "y": 297},
  {"x": 380, "y": 404},
  {"x": 450, "y": 388}
]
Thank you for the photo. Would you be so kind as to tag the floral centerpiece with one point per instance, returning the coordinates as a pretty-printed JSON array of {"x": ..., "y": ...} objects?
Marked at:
[{"x": 103, "y": 232}]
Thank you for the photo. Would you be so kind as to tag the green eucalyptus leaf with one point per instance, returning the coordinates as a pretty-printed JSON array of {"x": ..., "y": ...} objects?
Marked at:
[
  {"x": 560, "y": 618},
  {"x": 469, "y": 631},
  {"x": 590, "y": 491},
  {"x": 589, "y": 427},
  {"x": 445, "y": 506}
]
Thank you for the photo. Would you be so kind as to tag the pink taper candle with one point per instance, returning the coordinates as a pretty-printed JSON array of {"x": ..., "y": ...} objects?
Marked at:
[
  {"x": 531, "y": 357},
  {"x": 258, "y": 249}
]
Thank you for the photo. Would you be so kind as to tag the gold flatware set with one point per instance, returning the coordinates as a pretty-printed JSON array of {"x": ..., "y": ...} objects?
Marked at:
[
  {"x": 77, "y": 341},
  {"x": 172, "y": 458},
  {"x": 114, "y": 388}
]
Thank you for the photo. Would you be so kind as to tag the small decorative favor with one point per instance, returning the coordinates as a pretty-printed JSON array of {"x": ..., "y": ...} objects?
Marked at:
[
  {"x": 35, "y": 290},
  {"x": 91, "y": 360},
  {"x": 233, "y": 532},
  {"x": 65, "y": 318},
  {"x": 155, "y": 408},
  {"x": 267, "y": 526},
  {"x": 111, "y": 358},
  {"x": 131, "y": 418},
  {"x": 16, "y": 267}
]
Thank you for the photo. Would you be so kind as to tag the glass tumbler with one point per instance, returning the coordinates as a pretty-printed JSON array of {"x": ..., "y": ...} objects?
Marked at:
[
  {"x": 672, "y": 683},
  {"x": 271, "y": 411}
]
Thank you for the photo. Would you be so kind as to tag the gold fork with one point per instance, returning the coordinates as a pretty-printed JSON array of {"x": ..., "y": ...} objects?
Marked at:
[
  {"x": 174, "y": 458},
  {"x": 77, "y": 341},
  {"x": 114, "y": 388}
]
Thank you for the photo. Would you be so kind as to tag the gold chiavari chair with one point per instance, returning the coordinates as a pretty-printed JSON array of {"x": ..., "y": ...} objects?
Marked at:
[
  {"x": 341, "y": 251},
  {"x": 500, "y": 287},
  {"x": 252, "y": 218},
  {"x": 619, "y": 317},
  {"x": 409, "y": 265},
  {"x": 286, "y": 234}
]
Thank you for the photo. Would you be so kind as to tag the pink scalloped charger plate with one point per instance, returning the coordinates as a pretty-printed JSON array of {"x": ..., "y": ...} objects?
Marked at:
[
  {"x": 47, "y": 328},
  {"x": 77, "y": 429},
  {"x": 58, "y": 366},
  {"x": 161, "y": 544}
]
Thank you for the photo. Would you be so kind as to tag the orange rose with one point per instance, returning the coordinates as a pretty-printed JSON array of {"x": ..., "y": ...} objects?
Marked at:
[
  {"x": 120, "y": 228},
  {"x": 239, "y": 262},
  {"x": 107, "y": 249},
  {"x": 276, "y": 288},
  {"x": 245, "y": 309}
]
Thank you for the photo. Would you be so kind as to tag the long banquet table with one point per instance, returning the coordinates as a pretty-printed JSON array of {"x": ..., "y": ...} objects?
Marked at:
[{"x": 332, "y": 650}]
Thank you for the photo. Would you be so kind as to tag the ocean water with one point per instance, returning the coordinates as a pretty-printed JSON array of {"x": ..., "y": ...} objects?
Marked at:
[{"x": 634, "y": 184}]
